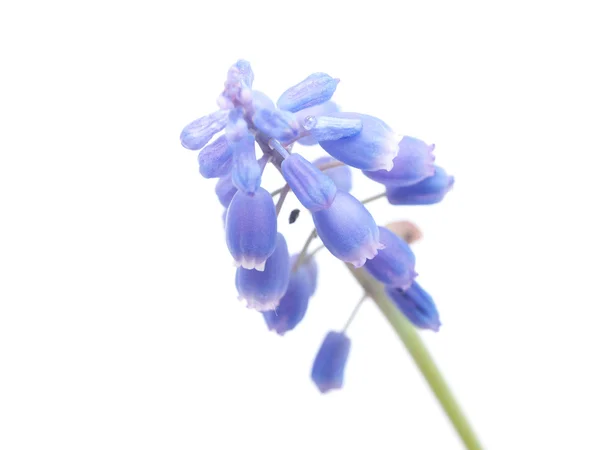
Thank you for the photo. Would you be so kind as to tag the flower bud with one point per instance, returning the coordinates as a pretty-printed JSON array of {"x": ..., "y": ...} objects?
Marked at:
[
  {"x": 324, "y": 109},
  {"x": 348, "y": 230},
  {"x": 417, "y": 305},
  {"x": 251, "y": 229},
  {"x": 313, "y": 90},
  {"x": 330, "y": 362},
  {"x": 225, "y": 190},
  {"x": 293, "y": 305},
  {"x": 263, "y": 290},
  {"x": 199, "y": 132},
  {"x": 406, "y": 230},
  {"x": 395, "y": 264},
  {"x": 427, "y": 192},
  {"x": 313, "y": 188},
  {"x": 374, "y": 148},
  {"x": 277, "y": 124},
  {"x": 246, "y": 173},
  {"x": 413, "y": 163},
  {"x": 215, "y": 159}
]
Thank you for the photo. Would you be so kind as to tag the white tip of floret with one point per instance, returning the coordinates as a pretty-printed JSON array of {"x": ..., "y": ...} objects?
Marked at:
[
  {"x": 250, "y": 263},
  {"x": 367, "y": 251},
  {"x": 385, "y": 161},
  {"x": 260, "y": 305}
]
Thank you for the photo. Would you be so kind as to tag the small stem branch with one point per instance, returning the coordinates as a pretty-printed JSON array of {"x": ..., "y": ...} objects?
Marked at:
[
  {"x": 281, "y": 199},
  {"x": 373, "y": 198},
  {"x": 300, "y": 258},
  {"x": 421, "y": 356},
  {"x": 330, "y": 165},
  {"x": 314, "y": 252},
  {"x": 354, "y": 312},
  {"x": 278, "y": 191}
]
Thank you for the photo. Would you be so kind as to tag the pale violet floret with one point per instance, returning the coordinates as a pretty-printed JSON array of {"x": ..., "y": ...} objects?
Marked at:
[
  {"x": 277, "y": 124},
  {"x": 215, "y": 159},
  {"x": 374, "y": 148},
  {"x": 241, "y": 71},
  {"x": 225, "y": 190},
  {"x": 237, "y": 127},
  {"x": 330, "y": 362},
  {"x": 251, "y": 229},
  {"x": 313, "y": 188},
  {"x": 326, "y": 128},
  {"x": 413, "y": 163},
  {"x": 324, "y": 109},
  {"x": 313, "y": 90},
  {"x": 293, "y": 305},
  {"x": 417, "y": 305},
  {"x": 395, "y": 264},
  {"x": 198, "y": 133},
  {"x": 427, "y": 192},
  {"x": 260, "y": 100},
  {"x": 341, "y": 175},
  {"x": 238, "y": 86},
  {"x": 348, "y": 230},
  {"x": 262, "y": 291},
  {"x": 246, "y": 172}
]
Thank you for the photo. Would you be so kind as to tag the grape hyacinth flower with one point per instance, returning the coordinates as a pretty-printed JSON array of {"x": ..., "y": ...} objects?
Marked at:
[
  {"x": 251, "y": 229},
  {"x": 427, "y": 192},
  {"x": 294, "y": 303},
  {"x": 315, "y": 190},
  {"x": 330, "y": 362},
  {"x": 225, "y": 190},
  {"x": 267, "y": 278},
  {"x": 413, "y": 163},
  {"x": 374, "y": 148},
  {"x": 395, "y": 264},
  {"x": 348, "y": 230},
  {"x": 417, "y": 305},
  {"x": 263, "y": 290},
  {"x": 341, "y": 174}
]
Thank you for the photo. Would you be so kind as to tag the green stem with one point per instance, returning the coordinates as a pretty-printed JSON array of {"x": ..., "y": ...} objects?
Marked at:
[{"x": 417, "y": 349}]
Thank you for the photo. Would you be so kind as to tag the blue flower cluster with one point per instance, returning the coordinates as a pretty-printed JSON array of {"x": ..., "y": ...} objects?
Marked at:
[{"x": 268, "y": 278}]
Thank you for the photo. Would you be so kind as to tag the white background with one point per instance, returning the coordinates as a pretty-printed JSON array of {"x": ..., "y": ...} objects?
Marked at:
[{"x": 119, "y": 323}]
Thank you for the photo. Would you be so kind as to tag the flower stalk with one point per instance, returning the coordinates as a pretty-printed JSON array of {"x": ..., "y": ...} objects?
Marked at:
[{"x": 420, "y": 355}]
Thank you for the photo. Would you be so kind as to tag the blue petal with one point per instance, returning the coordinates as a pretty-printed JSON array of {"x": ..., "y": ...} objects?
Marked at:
[
  {"x": 238, "y": 85},
  {"x": 216, "y": 158},
  {"x": 237, "y": 128},
  {"x": 246, "y": 172},
  {"x": 417, "y": 305},
  {"x": 341, "y": 175},
  {"x": 313, "y": 188},
  {"x": 395, "y": 264},
  {"x": 251, "y": 229},
  {"x": 374, "y": 148},
  {"x": 274, "y": 123},
  {"x": 330, "y": 362},
  {"x": 241, "y": 71},
  {"x": 348, "y": 230},
  {"x": 324, "y": 109},
  {"x": 261, "y": 100},
  {"x": 413, "y": 163},
  {"x": 198, "y": 133},
  {"x": 292, "y": 307},
  {"x": 309, "y": 265},
  {"x": 225, "y": 190},
  {"x": 314, "y": 90},
  {"x": 263, "y": 290},
  {"x": 427, "y": 192},
  {"x": 325, "y": 128}
]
